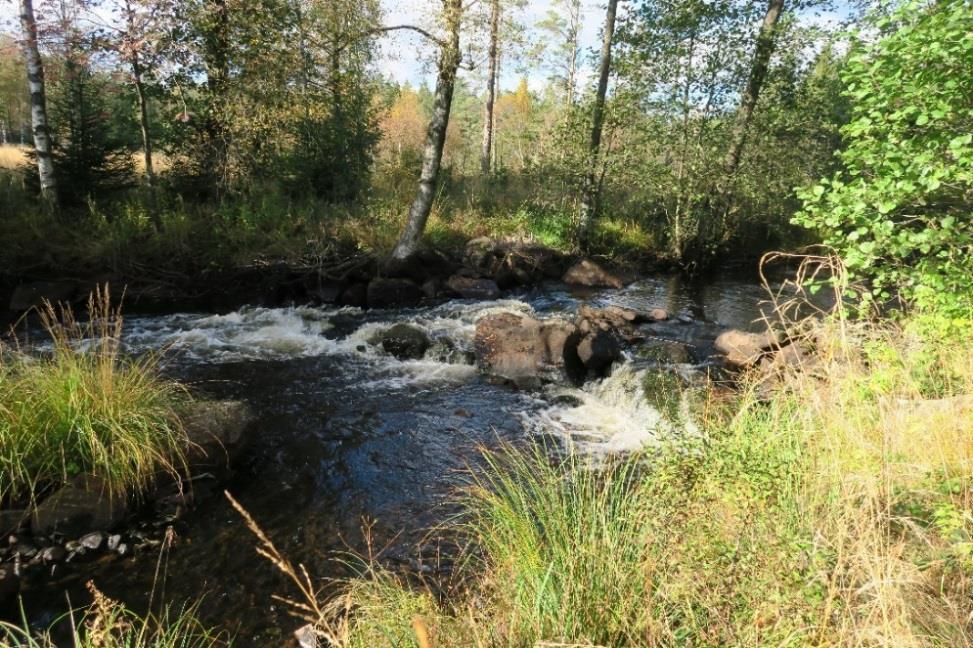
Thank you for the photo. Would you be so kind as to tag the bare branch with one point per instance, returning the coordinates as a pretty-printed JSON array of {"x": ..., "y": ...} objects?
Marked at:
[{"x": 391, "y": 28}]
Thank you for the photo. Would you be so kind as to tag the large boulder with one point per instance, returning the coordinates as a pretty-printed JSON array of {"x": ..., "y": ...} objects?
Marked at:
[
  {"x": 598, "y": 349},
  {"x": 525, "y": 350},
  {"x": 514, "y": 262},
  {"x": 393, "y": 293},
  {"x": 404, "y": 341},
  {"x": 622, "y": 321},
  {"x": 355, "y": 295},
  {"x": 743, "y": 349},
  {"x": 217, "y": 431},
  {"x": 419, "y": 266},
  {"x": 470, "y": 288},
  {"x": 84, "y": 504},
  {"x": 590, "y": 274}
]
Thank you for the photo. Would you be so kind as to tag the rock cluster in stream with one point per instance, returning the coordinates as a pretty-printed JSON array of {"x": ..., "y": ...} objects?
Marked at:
[
  {"x": 81, "y": 519},
  {"x": 527, "y": 351}
]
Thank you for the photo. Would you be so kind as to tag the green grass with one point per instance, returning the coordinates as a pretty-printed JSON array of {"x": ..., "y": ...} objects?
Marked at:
[
  {"x": 85, "y": 408},
  {"x": 839, "y": 512},
  {"x": 109, "y": 624}
]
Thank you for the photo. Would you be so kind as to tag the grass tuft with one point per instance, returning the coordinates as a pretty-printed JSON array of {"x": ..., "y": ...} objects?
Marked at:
[
  {"x": 85, "y": 407},
  {"x": 109, "y": 624}
]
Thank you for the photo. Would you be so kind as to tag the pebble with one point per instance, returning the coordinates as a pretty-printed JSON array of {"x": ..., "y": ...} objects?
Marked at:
[
  {"x": 92, "y": 541},
  {"x": 57, "y": 553},
  {"x": 114, "y": 541}
]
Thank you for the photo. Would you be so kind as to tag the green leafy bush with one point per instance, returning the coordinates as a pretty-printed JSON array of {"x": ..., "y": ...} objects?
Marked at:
[{"x": 900, "y": 212}]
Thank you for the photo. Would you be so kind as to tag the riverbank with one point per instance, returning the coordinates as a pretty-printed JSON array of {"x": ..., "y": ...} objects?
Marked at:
[
  {"x": 365, "y": 442},
  {"x": 834, "y": 512}
]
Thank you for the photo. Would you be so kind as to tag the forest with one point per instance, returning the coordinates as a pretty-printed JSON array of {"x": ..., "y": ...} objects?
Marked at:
[{"x": 486, "y": 323}]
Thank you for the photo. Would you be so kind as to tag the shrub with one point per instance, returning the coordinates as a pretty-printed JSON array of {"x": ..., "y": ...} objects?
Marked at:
[{"x": 900, "y": 213}]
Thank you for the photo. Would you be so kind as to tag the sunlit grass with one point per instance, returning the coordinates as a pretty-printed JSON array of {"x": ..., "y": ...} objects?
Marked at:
[
  {"x": 85, "y": 408},
  {"x": 836, "y": 513},
  {"x": 109, "y": 624},
  {"x": 12, "y": 157}
]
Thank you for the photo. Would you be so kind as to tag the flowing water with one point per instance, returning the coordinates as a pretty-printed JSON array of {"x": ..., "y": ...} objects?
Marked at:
[{"x": 348, "y": 438}]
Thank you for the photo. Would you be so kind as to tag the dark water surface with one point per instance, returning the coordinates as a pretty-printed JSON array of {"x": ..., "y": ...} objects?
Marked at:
[{"x": 346, "y": 436}]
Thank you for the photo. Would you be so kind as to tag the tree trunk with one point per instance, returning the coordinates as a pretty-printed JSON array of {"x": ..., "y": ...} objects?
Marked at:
[
  {"x": 449, "y": 60},
  {"x": 216, "y": 53},
  {"x": 487, "y": 150},
  {"x": 589, "y": 196},
  {"x": 766, "y": 41},
  {"x": 38, "y": 104},
  {"x": 574, "y": 34}
]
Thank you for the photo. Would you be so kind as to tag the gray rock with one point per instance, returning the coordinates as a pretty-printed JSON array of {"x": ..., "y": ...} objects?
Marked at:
[
  {"x": 393, "y": 293},
  {"x": 82, "y": 505},
  {"x": 217, "y": 431},
  {"x": 743, "y": 349},
  {"x": 588, "y": 273},
  {"x": 307, "y": 637},
  {"x": 470, "y": 288},
  {"x": 92, "y": 541},
  {"x": 54, "y": 554},
  {"x": 405, "y": 342},
  {"x": 114, "y": 541}
]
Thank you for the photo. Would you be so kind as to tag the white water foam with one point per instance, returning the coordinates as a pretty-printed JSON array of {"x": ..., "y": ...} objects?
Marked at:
[
  {"x": 285, "y": 333},
  {"x": 605, "y": 417}
]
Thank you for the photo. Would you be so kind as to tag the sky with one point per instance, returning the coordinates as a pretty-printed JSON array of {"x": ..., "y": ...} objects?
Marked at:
[{"x": 407, "y": 57}]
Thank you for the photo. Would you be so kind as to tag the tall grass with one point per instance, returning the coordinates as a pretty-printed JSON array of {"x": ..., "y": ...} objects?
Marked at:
[
  {"x": 84, "y": 407},
  {"x": 109, "y": 624},
  {"x": 836, "y": 511}
]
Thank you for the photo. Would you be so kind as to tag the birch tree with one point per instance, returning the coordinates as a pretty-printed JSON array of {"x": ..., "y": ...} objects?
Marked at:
[
  {"x": 488, "y": 120},
  {"x": 449, "y": 61},
  {"x": 589, "y": 195},
  {"x": 38, "y": 104},
  {"x": 766, "y": 40}
]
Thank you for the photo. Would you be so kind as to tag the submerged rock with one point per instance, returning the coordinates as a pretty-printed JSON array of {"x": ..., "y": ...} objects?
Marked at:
[
  {"x": 404, "y": 341},
  {"x": 393, "y": 293},
  {"x": 217, "y": 432},
  {"x": 84, "y": 504},
  {"x": 590, "y": 274},
  {"x": 445, "y": 350}
]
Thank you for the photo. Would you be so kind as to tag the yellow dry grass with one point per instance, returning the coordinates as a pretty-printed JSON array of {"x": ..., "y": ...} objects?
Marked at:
[{"x": 12, "y": 156}]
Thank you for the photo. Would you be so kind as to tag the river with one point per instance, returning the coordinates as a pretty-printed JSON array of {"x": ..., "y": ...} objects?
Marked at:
[{"x": 348, "y": 438}]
